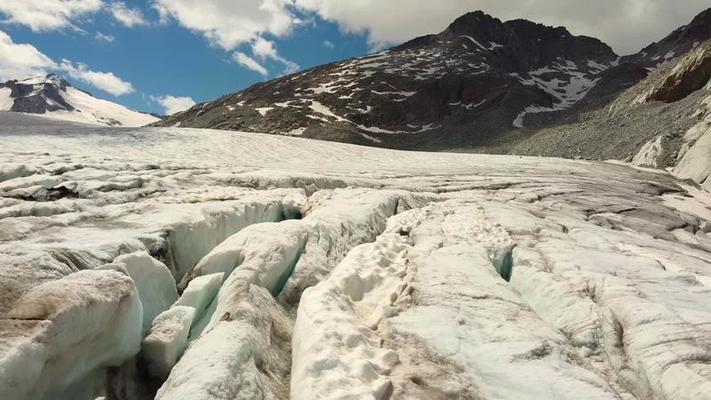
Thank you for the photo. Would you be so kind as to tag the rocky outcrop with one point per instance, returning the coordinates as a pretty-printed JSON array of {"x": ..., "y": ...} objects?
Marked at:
[{"x": 692, "y": 73}]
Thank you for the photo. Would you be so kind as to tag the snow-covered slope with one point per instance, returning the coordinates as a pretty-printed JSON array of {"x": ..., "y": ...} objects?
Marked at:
[
  {"x": 53, "y": 97},
  {"x": 313, "y": 270}
]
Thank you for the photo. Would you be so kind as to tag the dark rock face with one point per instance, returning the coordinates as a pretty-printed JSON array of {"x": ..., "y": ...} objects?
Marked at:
[
  {"x": 472, "y": 85},
  {"x": 464, "y": 86}
]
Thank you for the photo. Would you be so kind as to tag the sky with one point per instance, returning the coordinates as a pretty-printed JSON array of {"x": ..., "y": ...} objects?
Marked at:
[{"x": 163, "y": 56}]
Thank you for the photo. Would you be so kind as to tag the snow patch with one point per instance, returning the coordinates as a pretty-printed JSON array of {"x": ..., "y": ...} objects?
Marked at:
[
  {"x": 6, "y": 101},
  {"x": 264, "y": 110}
]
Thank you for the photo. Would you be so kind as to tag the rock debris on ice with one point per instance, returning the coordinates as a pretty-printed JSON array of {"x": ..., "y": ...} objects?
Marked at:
[{"x": 157, "y": 263}]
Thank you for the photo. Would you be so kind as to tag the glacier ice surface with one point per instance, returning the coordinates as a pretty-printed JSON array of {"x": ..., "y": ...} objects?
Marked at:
[{"x": 343, "y": 271}]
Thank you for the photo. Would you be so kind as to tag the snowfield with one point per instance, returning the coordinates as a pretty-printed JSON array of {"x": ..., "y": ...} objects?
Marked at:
[{"x": 205, "y": 265}]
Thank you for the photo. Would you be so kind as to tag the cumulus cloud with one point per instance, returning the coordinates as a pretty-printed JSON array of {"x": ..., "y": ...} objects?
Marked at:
[
  {"x": 328, "y": 44},
  {"x": 230, "y": 23},
  {"x": 105, "y": 81},
  {"x": 266, "y": 50},
  {"x": 19, "y": 61},
  {"x": 174, "y": 104},
  {"x": 47, "y": 15},
  {"x": 627, "y": 25},
  {"x": 127, "y": 16},
  {"x": 249, "y": 63},
  {"x": 102, "y": 37}
]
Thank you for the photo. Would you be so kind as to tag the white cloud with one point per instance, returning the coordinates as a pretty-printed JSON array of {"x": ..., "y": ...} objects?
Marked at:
[
  {"x": 328, "y": 44},
  {"x": 291, "y": 67},
  {"x": 266, "y": 50},
  {"x": 19, "y": 61},
  {"x": 174, "y": 104},
  {"x": 250, "y": 63},
  {"x": 105, "y": 81},
  {"x": 104, "y": 37},
  {"x": 263, "y": 49},
  {"x": 127, "y": 16},
  {"x": 230, "y": 23},
  {"x": 47, "y": 15},
  {"x": 627, "y": 25}
]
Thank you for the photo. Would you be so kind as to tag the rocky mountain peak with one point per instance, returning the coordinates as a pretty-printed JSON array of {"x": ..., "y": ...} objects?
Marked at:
[
  {"x": 523, "y": 44},
  {"x": 53, "y": 96},
  {"x": 700, "y": 25},
  {"x": 477, "y": 24},
  {"x": 469, "y": 85},
  {"x": 39, "y": 94},
  {"x": 51, "y": 79}
]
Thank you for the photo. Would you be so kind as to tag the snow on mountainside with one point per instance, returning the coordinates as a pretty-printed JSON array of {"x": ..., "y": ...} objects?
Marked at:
[
  {"x": 53, "y": 97},
  {"x": 481, "y": 82},
  {"x": 466, "y": 85},
  {"x": 663, "y": 121},
  {"x": 677, "y": 43},
  {"x": 153, "y": 263}
]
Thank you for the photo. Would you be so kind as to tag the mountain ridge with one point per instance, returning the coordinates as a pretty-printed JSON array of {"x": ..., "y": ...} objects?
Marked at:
[
  {"x": 52, "y": 96},
  {"x": 423, "y": 87},
  {"x": 476, "y": 83}
]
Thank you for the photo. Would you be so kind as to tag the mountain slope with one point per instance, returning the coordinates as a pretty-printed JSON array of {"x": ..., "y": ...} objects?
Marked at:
[
  {"x": 677, "y": 43},
  {"x": 465, "y": 86},
  {"x": 664, "y": 121},
  {"x": 53, "y": 97},
  {"x": 480, "y": 83}
]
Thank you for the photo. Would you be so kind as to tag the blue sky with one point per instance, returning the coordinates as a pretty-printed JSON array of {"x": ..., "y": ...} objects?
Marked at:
[
  {"x": 160, "y": 59},
  {"x": 164, "y": 55}
]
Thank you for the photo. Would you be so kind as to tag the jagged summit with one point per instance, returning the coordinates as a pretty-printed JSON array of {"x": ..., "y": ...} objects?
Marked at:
[
  {"x": 49, "y": 79},
  {"x": 54, "y": 97},
  {"x": 477, "y": 83},
  {"x": 467, "y": 85},
  {"x": 475, "y": 23}
]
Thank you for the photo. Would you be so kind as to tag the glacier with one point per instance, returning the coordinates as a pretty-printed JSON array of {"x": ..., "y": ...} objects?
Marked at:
[{"x": 195, "y": 264}]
